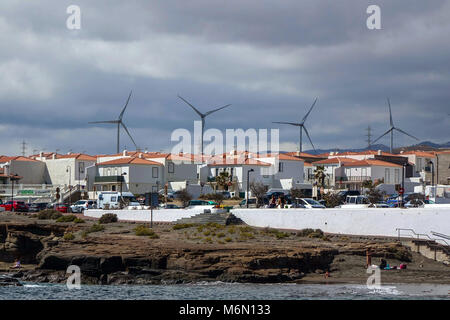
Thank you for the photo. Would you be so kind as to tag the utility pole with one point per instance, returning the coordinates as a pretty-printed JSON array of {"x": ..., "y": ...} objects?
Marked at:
[{"x": 369, "y": 136}]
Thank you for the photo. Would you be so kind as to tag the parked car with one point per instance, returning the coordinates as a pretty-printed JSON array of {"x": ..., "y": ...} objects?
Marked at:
[
  {"x": 226, "y": 194},
  {"x": 1, "y": 208},
  {"x": 82, "y": 205},
  {"x": 15, "y": 206},
  {"x": 310, "y": 203},
  {"x": 169, "y": 206},
  {"x": 344, "y": 194},
  {"x": 38, "y": 206},
  {"x": 251, "y": 203},
  {"x": 418, "y": 203},
  {"x": 61, "y": 207},
  {"x": 202, "y": 203}
]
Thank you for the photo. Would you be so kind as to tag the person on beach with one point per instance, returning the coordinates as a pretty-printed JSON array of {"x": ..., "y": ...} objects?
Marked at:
[
  {"x": 273, "y": 202},
  {"x": 17, "y": 265}
]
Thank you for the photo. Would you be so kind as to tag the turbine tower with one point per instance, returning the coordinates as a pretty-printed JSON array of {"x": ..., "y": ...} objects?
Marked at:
[
  {"x": 392, "y": 128},
  {"x": 203, "y": 115},
  {"x": 119, "y": 123},
  {"x": 302, "y": 127}
]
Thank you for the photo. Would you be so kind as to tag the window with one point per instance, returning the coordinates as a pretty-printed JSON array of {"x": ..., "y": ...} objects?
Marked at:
[
  {"x": 155, "y": 172},
  {"x": 364, "y": 172},
  {"x": 108, "y": 172},
  {"x": 81, "y": 167},
  {"x": 217, "y": 172},
  {"x": 387, "y": 175},
  {"x": 171, "y": 167},
  {"x": 397, "y": 176},
  {"x": 280, "y": 166}
]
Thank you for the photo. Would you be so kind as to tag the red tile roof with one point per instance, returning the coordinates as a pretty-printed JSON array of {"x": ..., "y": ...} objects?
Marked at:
[
  {"x": 371, "y": 162},
  {"x": 335, "y": 160},
  {"x": 4, "y": 159},
  {"x": 238, "y": 161},
  {"x": 418, "y": 153},
  {"x": 302, "y": 154},
  {"x": 280, "y": 156},
  {"x": 129, "y": 160}
]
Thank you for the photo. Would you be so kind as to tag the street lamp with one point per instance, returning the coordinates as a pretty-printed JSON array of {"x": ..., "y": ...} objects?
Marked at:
[
  {"x": 123, "y": 174},
  {"x": 432, "y": 178},
  {"x": 248, "y": 183},
  {"x": 13, "y": 178},
  {"x": 69, "y": 170}
]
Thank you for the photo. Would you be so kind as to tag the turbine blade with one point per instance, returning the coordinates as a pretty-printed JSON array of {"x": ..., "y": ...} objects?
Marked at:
[
  {"x": 382, "y": 135},
  {"x": 390, "y": 112},
  {"x": 307, "y": 134},
  {"x": 405, "y": 133},
  {"x": 290, "y": 123},
  {"x": 310, "y": 109},
  {"x": 195, "y": 109},
  {"x": 126, "y": 104},
  {"x": 108, "y": 121},
  {"x": 212, "y": 111},
  {"x": 126, "y": 129}
]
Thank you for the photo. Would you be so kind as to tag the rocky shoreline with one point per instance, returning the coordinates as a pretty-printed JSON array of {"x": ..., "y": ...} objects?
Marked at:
[{"x": 116, "y": 255}]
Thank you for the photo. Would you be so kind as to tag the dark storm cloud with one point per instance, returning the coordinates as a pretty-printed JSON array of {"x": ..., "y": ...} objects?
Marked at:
[{"x": 269, "y": 59}]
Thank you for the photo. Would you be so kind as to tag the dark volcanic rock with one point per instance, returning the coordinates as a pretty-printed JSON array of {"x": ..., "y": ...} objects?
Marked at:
[{"x": 6, "y": 280}]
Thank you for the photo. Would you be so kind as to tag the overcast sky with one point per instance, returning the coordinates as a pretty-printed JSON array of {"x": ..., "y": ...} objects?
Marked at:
[{"x": 269, "y": 59}]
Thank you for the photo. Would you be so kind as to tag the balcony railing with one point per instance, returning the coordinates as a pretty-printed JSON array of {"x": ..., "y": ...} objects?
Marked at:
[
  {"x": 352, "y": 179},
  {"x": 109, "y": 179}
]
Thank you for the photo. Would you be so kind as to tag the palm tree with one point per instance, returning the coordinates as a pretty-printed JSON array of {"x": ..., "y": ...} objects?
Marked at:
[
  {"x": 319, "y": 175},
  {"x": 223, "y": 180}
]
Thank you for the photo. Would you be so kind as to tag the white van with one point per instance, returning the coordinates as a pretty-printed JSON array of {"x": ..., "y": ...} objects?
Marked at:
[{"x": 113, "y": 199}]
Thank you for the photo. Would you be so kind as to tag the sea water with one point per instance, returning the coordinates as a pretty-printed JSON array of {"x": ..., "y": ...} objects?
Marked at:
[{"x": 224, "y": 291}]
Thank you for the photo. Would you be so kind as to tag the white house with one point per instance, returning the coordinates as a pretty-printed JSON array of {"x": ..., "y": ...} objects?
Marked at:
[
  {"x": 136, "y": 175},
  {"x": 351, "y": 175}
]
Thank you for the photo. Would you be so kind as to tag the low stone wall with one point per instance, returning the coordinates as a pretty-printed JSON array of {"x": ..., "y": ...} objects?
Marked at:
[
  {"x": 369, "y": 221},
  {"x": 160, "y": 215}
]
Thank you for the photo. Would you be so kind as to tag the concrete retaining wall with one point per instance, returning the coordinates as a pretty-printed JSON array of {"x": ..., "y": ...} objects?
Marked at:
[
  {"x": 161, "y": 215},
  {"x": 369, "y": 221}
]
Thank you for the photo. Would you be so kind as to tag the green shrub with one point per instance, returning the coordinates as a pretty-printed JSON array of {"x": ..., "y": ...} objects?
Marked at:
[
  {"x": 220, "y": 235},
  {"x": 231, "y": 230},
  {"x": 48, "y": 214},
  {"x": 246, "y": 229},
  {"x": 179, "y": 226},
  {"x": 78, "y": 220},
  {"x": 214, "y": 225},
  {"x": 68, "y": 218},
  {"x": 68, "y": 236},
  {"x": 281, "y": 235},
  {"x": 142, "y": 230},
  {"x": 207, "y": 233},
  {"x": 228, "y": 239},
  {"x": 91, "y": 229},
  {"x": 247, "y": 235},
  {"x": 108, "y": 218}
]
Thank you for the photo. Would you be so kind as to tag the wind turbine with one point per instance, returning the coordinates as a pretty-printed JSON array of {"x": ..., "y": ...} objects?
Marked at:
[
  {"x": 302, "y": 127},
  {"x": 203, "y": 115},
  {"x": 119, "y": 123},
  {"x": 392, "y": 128}
]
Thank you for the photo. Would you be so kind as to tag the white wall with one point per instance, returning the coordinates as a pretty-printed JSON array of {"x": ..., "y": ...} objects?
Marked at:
[
  {"x": 376, "y": 221},
  {"x": 161, "y": 215}
]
